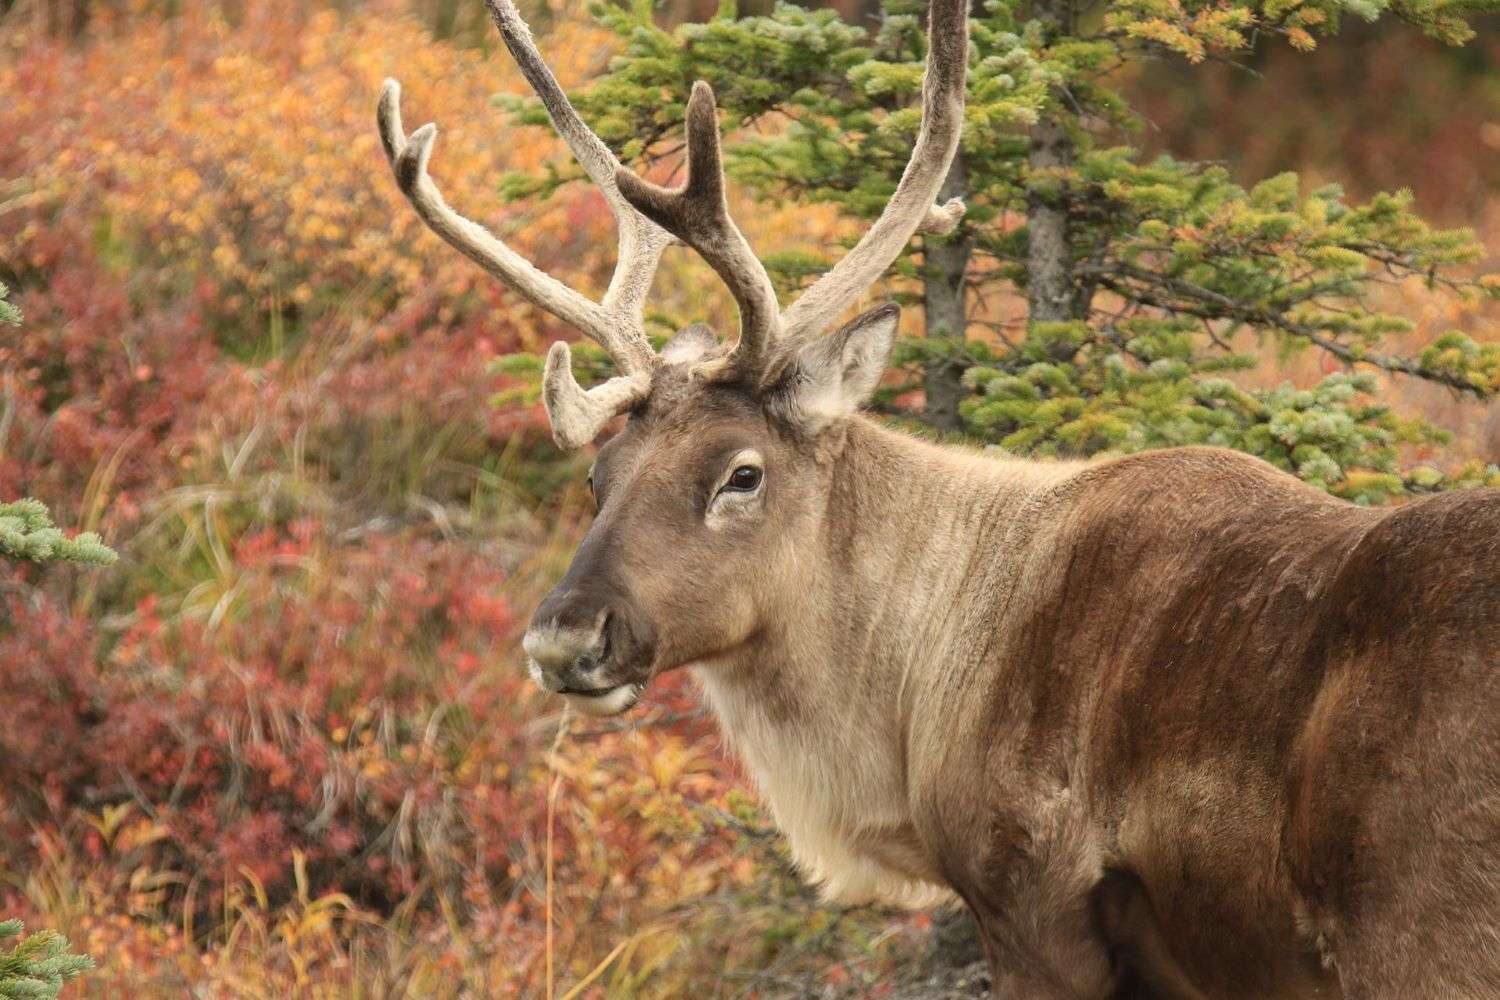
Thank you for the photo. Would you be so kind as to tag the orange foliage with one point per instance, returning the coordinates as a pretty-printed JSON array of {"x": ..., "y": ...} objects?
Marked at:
[{"x": 246, "y": 156}]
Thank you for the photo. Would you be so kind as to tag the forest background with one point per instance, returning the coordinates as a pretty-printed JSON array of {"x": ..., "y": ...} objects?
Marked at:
[{"x": 284, "y": 745}]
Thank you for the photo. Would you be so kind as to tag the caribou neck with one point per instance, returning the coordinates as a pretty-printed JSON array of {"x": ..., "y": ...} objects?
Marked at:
[
  {"x": 911, "y": 527},
  {"x": 821, "y": 706}
]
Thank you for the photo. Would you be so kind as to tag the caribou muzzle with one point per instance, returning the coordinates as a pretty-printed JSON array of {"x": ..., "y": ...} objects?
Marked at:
[{"x": 590, "y": 647}]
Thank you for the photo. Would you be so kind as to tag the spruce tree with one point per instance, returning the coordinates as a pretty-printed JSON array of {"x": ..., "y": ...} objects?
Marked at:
[
  {"x": 1148, "y": 283},
  {"x": 26, "y": 530}
]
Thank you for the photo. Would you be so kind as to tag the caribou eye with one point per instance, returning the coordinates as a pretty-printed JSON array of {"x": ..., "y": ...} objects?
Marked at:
[{"x": 744, "y": 479}]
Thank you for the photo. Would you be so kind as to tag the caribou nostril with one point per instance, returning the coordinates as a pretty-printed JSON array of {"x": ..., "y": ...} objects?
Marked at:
[{"x": 605, "y": 637}]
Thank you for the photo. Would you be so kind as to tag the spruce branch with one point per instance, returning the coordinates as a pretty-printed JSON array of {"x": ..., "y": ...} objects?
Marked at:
[
  {"x": 27, "y": 534},
  {"x": 37, "y": 965},
  {"x": 9, "y": 314},
  {"x": 1478, "y": 378}
]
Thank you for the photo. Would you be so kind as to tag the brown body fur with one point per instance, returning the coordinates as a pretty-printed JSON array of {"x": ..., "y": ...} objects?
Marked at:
[
  {"x": 1172, "y": 725},
  {"x": 1266, "y": 721}
]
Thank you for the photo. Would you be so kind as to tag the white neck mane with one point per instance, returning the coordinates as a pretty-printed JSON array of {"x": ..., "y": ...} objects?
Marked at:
[{"x": 829, "y": 747}]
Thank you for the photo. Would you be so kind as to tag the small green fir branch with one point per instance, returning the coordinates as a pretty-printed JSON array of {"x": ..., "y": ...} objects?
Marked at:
[
  {"x": 27, "y": 534},
  {"x": 37, "y": 965},
  {"x": 9, "y": 314}
]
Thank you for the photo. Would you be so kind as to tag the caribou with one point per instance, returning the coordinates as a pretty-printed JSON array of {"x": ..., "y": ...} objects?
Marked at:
[{"x": 1170, "y": 725}]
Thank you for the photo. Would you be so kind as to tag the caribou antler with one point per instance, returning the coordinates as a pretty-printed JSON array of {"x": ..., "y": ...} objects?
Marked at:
[
  {"x": 648, "y": 217},
  {"x": 577, "y": 414},
  {"x": 617, "y": 322},
  {"x": 911, "y": 206},
  {"x": 696, "y": 213}
]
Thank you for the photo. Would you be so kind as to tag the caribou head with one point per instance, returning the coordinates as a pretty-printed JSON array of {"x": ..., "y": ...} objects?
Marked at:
[{"x": 719, "y": 477}]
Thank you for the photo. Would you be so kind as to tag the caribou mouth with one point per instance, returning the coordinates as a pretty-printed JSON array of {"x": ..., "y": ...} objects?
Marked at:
[
  {"x": 590, "y": 692},
  {"x": 602, "y": 701}
]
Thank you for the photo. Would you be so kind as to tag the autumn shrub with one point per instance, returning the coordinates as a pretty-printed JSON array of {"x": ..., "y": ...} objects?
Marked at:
[
  {"x": 188, "y": 197},
  {"x": 302, "y": 733},
  {"x": 35, "y": 966},
  {"x": 252, "y": 365}
]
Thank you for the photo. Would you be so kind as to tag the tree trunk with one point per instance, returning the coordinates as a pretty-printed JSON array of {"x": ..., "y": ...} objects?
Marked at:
[
  {"x": 1051, "y": 293},
  {"x": 945, "y": 265},
  {"x": 1049, "y": 258}
]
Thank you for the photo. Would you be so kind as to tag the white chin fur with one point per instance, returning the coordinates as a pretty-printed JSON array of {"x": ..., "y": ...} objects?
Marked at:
[{"x": 613, "y": 703}]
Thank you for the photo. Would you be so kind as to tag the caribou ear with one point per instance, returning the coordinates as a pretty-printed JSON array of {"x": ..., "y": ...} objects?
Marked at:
[{"x": 836, "y": 375}]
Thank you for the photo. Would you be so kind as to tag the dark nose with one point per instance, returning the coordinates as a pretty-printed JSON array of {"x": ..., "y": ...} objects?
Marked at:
[
  {"x": 585, "y": 640},
  {"x": 566, "y": 649}
]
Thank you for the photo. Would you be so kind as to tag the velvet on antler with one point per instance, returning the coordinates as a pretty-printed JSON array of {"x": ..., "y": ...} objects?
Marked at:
[
  {"x": 649, "y": 217},
  {"x": 617, "y": 322}
]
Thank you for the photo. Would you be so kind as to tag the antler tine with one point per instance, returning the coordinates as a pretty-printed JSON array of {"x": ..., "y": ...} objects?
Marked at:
[
  {"x": 577, "y": 415},
  {"x": 697, "y": 214},
  {"x": 911, "y": 206},
  {"x": 641, "y": 240},
  {"x": 408, "y": 156}
]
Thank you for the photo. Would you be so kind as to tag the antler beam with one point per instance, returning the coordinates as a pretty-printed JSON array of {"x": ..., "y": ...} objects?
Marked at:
[
  {"x": 912, "y": 204},
  {"x": 641, "y": 240},
  {"x": 697, "y": 214},
  {"x": 409, "y": 156},
  {"x": 617, "y": 322}
]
